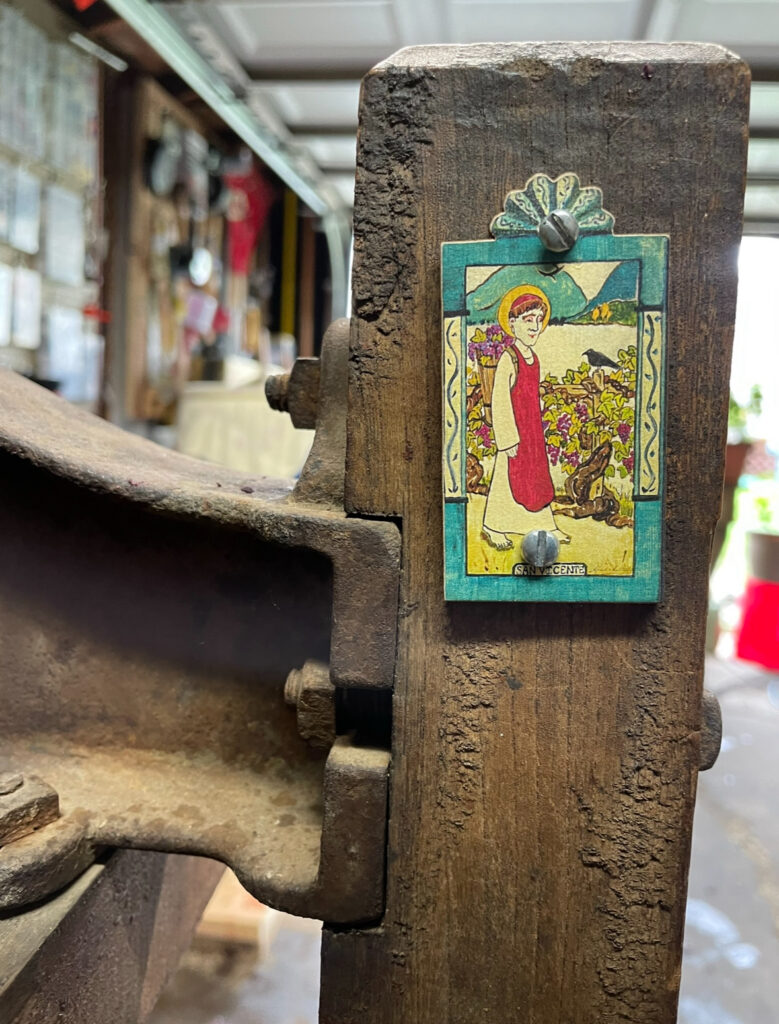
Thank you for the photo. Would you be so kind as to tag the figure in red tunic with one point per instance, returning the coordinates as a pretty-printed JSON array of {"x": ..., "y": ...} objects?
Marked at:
[{"x": 521, "y": 490}]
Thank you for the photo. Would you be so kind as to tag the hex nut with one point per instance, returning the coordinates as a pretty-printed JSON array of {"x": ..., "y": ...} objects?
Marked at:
[
  {"x": 310, "y": 691},
  {"x": 28, "y": 807},
  {"x": 297, "y": 392}
]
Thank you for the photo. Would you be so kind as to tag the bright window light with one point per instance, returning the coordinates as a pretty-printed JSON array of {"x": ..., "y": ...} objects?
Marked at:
[{"x": 756, "y": 344}]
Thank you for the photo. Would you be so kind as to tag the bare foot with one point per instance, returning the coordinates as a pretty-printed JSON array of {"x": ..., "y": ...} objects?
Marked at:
[
  {"x": 562, "y": 538},
  {"x": 499, "y": 541}
]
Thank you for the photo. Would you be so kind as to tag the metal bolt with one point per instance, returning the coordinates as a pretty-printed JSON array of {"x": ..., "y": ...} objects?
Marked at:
[
  {"x": 10, "y": 782},
  {"x": 711, "y": 730},
  {"x": 558, "y": 231},
  {"x": 540, "y": 548},
  {"x": 293, "y": 687},
  {"x": 277, "y": 391},
  {"x": 27, "y": 804},
  {"x": 309, "y": 690}
]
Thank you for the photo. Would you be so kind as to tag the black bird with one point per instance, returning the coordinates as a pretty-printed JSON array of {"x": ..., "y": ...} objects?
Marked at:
[{"x": 596, "y": 359}]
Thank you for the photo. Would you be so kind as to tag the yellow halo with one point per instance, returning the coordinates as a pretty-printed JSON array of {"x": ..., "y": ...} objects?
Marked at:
[{"x": 509, "y": 299}]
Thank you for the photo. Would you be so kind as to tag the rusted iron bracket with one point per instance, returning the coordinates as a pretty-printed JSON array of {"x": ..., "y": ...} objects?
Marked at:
[{"x": 151, "y": 608}]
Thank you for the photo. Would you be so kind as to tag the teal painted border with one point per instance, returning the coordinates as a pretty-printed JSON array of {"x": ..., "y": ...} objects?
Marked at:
[
  {"x": 644, "y": 585},
  {"x": 650, "y": 250}
]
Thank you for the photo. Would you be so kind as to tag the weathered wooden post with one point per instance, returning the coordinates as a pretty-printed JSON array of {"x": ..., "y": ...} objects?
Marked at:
[{"x": 546, "y": 742}]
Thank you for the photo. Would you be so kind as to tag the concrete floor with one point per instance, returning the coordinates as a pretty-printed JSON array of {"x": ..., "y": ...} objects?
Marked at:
[
  {"x": 221, "y": 983},
  {"x": 730, "y": 972}
]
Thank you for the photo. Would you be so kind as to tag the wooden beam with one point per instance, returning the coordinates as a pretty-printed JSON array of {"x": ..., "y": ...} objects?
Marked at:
[{"x": 544, "y": 757}]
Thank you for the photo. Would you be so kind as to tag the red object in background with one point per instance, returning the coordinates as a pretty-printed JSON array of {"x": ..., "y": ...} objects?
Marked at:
[
  {"x": 758, "y": 638},
  {"x": 96, "y": 313},
  {"x": 83, "y": 5},
  {"x": 221, "y": 321},
  {"x": 251, "y": 198}
]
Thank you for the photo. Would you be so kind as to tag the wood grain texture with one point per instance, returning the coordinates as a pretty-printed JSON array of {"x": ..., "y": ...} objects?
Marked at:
[{"x": 544, "y": 757}]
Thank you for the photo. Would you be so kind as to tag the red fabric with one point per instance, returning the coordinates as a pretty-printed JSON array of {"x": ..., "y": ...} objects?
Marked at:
[
  {"x": 529, "y": 476},
  {"x": 758, "y": 638},
  {"x": 250, "y": 201}
]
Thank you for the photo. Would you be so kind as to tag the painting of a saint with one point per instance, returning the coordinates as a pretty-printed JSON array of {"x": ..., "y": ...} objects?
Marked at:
[
  {"x": 550, "y": 410},
  {"x": 521, "y": 491},
  {"x": 553, "y": 405}
]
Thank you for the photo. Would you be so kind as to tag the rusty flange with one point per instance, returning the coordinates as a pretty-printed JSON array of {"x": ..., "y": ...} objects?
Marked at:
[
  {"x": 50, "y": 434},
  {"x": 151, "y": 607}
]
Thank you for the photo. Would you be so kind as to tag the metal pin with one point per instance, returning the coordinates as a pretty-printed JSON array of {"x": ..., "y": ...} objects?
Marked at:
[
  {"x": 540, "y": 548},
  {"x": 558, "y": 231}
]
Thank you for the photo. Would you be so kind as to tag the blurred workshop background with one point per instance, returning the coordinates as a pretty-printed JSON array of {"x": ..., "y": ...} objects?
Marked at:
[{"x": 176, "y": 188}]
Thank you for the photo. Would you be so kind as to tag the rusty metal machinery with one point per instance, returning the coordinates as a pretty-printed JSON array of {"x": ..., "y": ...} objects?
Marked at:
[{"x": 151, "y": 609}]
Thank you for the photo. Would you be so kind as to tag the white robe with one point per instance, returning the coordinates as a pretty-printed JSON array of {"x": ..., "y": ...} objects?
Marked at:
[{"x": 502, "y": 513}]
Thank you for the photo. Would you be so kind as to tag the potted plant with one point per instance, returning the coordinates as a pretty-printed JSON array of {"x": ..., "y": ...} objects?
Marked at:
[
  {"x": 739, "y": 443},
  {"x": 739, "y": 440}
]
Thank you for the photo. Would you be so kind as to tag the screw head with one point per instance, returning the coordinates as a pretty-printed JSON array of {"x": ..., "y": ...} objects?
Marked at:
[
  {"x": 10, "y": 782},
  {"x": 540, "y": 548},
  {"x": 558, "y": 231}
]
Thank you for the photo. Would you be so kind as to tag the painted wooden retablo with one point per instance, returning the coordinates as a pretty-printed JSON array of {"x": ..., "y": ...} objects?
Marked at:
[{"x": 553, "y": 371}]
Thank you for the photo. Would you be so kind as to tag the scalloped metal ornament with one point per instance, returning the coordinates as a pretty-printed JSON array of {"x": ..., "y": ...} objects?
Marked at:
[{"x": 525, "y": 209}]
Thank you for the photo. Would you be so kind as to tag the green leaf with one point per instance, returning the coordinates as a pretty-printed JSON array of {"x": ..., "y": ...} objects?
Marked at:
[
  {"x": 609, "y": 471},
  {"x": 621, "y": 451},
  {"x": 623, "y": 472}
]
